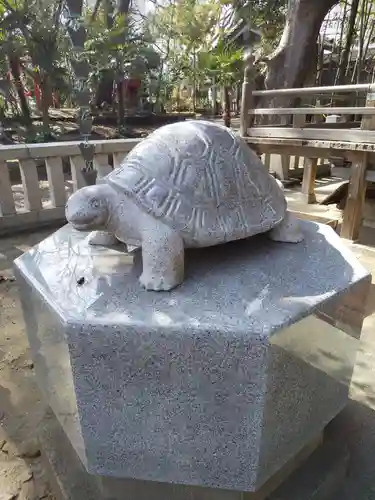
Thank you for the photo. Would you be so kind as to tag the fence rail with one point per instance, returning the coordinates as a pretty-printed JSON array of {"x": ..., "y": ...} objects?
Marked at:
[
  {"x": 69, "y": 148},
  {"x": 303, "y": 91},
  {"x": 36, "y": 179}
]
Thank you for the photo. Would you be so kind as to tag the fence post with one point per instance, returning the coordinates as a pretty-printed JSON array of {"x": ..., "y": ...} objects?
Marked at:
[
  {"x": 368, "y": 121},
  {"x": 299, "y": 121},
  {"x": 6, "y": 194},
  {"x": 308, "y": 182},
  {"x": 353, "y": 213},
  {"x": 30, "y": 182}
]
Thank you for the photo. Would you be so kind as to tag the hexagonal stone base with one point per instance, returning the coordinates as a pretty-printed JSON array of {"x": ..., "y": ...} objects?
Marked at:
[
  {"x": 218, "y": 383},
  {"x": 315, "y": 474}
]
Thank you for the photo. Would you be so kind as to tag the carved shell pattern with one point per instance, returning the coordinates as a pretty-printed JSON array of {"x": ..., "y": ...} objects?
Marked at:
[{"x": 202, "y": 180}]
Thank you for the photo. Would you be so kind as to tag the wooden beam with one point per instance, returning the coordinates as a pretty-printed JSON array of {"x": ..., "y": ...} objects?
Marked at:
[
  {"x": 368, "y": 122},
  {"x": 310, "y": 151},
  {"x": 313, "y": 111},
  {"x": 332, "y": 89},
  {"x": 353, "y": 213},
  {"x": 299, "y": 121},
  {"x": 316, "y": 134},
  {"x": 352, "y": 219}
]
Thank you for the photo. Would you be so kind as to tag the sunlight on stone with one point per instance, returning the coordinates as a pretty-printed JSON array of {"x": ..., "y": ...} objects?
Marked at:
[
  {"x": 256, "y": 304},
  {"x": 304, "y": 299},
  {"x": 108, "y": 264},
  {"x": 162, "y": 319},
  {"x": 321, "y": 345}
]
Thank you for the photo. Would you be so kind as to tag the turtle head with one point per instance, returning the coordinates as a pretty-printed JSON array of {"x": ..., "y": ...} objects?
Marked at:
[{"x": 88, "y": 208}]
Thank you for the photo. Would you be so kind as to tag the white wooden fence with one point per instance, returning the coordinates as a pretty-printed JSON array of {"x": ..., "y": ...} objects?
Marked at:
[{"x": 36, "y": 179}]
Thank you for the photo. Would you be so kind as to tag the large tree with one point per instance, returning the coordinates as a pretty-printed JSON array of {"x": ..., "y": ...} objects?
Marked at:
[{"x": 292, "y": 62}]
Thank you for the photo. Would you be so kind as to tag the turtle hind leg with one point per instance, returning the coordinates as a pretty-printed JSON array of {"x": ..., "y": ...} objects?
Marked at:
[
  {"x": 102, "y": 238},
  {"x": 288, "y": 231},
  {"x": 162, "y": 257}
]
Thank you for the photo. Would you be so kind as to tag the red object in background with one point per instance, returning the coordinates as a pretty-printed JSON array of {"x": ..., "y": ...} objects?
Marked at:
[{"x": 131, "y": 85}]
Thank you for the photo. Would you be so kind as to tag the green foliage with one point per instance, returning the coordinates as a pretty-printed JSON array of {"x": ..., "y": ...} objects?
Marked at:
[
  {"x": 182, "y": 30},
  {"x": 119, "y": 49},
  {"x": 34, "y": 33},
  {"x": 268, "y": 16},
  {"x": 190, "y": 36},
  {"x": 181, "y": 44},
  {"x": 223, "y": 63}
]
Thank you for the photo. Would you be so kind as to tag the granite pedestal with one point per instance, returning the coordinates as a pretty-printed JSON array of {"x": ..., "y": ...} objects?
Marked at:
[{"x": 216, "y": 384}]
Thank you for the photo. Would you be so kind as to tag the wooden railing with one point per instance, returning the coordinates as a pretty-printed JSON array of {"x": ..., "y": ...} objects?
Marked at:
[
  {"x": 318, "y": 142},
  {"x": 36, "y": 179}
]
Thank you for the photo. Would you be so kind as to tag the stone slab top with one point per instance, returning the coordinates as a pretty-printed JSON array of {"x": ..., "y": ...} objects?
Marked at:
[{"x": 249, "y": 287}]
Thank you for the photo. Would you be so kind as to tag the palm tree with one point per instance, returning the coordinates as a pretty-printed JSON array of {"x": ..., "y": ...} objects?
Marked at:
[{"x": 223, "y": 65}]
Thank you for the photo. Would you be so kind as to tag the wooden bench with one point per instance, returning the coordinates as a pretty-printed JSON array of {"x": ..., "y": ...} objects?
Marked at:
[
  {"x": 299, "y": 142},
  {"x": 356, "y": 145}
]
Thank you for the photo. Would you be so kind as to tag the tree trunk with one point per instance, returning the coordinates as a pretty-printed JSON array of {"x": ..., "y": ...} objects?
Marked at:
[
  {"x": 213, "y": 96},
  {"x": 104, "y": 90},
  {"x": 238, "y": 98},
  {"x": 194, "y": 81},
  {"x": 227, "y": 113},
  {"x": 108, "y": 9},
  {"x": 159, "y": 84},
  {"x": 291, "y": 63},
  {"x": 14, "y": 64},
  {"x": 45, "y": 103},
  {"x": 123, "y": 6},
  {"x": 120, "y": 104},
  {"x": 348, "y": 42},
  {"x": 77, "y": 34},
  {"x": 75, "y": 7}
]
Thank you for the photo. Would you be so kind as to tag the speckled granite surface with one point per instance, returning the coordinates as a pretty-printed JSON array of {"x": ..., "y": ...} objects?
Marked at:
[
  {"x": 315, "y": 479},
  {"x": 217, "y": 383}
]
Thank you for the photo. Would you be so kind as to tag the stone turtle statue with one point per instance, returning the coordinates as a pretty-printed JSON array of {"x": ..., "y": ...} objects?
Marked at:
[{"x": 188, "y": 184}]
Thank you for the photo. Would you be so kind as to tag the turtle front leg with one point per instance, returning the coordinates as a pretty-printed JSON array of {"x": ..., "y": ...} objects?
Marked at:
[
  {"x": 163, "y": 258},
  {"x": 288, "y": 231}
]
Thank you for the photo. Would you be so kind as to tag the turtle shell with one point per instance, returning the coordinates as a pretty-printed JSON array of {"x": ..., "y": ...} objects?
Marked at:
[{"x": 204, "y": 181}]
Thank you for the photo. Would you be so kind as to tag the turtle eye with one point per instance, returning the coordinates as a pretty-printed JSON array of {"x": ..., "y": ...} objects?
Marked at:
[{"x": 95, "y": 203}]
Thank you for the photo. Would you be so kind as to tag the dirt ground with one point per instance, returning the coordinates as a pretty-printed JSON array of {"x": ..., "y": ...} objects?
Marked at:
[{"x": 21, "y": 409}]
